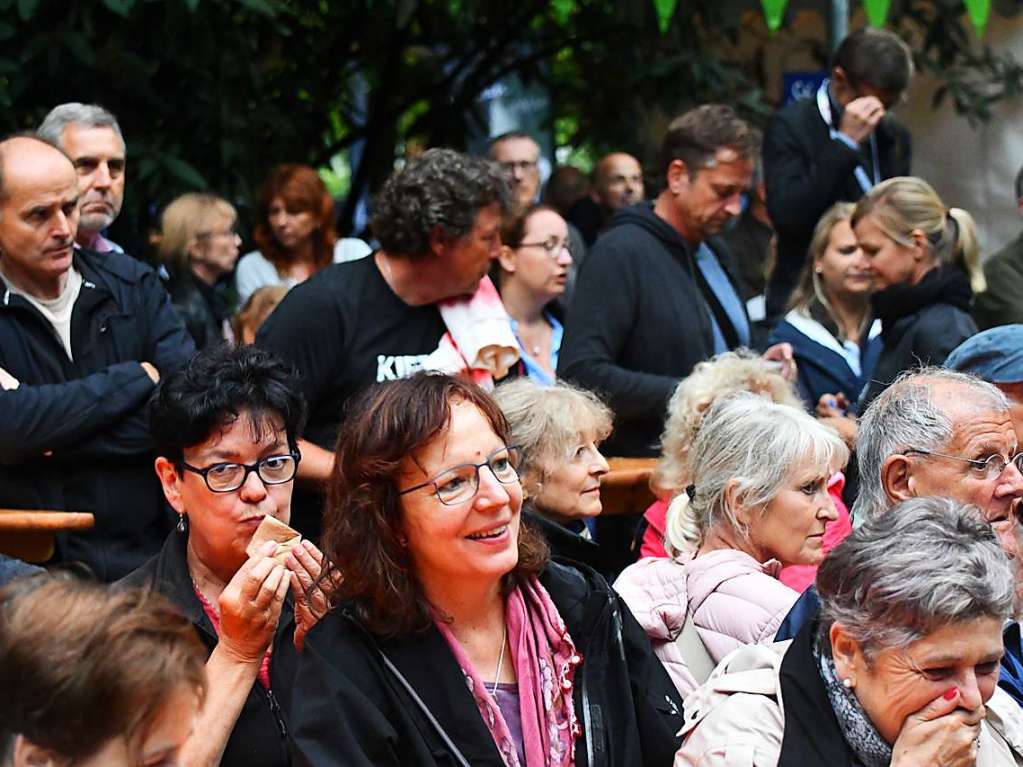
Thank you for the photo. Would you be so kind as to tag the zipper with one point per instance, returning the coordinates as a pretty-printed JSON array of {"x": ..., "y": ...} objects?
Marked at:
[{"x": 275, "y": 709}]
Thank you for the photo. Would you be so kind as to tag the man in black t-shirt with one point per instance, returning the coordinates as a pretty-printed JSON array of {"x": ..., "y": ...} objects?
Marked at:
[{"x": 353, "y": 324}]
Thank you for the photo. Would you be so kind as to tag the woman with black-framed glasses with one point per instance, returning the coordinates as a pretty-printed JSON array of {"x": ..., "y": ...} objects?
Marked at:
[
  {"x": 453, "y": 640},
  {"x": 225, "y": 428}
]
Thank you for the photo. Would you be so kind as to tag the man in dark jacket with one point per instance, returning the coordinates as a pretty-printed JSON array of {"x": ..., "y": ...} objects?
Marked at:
[
  {"x": 834, "y": 147},
  {"x": 658, "y": 293},
  {"x": 83, "y": 340},
  {"x": 1002, "y": 302}
]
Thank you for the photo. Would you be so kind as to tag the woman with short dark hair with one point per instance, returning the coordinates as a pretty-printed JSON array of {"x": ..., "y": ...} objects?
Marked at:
[
  {"x": 94, "y": 678},
  {"x": 453, "y": 639},
  {"x": 225, "y": 429}
]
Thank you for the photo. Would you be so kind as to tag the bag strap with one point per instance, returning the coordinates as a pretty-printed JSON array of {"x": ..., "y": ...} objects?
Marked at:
[
  {"x": 407, "y": 686},
  {"x": 698, "y": 660}
]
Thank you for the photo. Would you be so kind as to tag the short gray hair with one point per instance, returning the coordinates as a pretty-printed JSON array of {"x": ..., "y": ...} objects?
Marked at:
[
  {"x": 758, "y": 444},
  {"x": 904, "y": 417},
  {"x": 88, "y": 115},
  {"x": 547, "y": 422},
  {"x": 901, "y": 576}
]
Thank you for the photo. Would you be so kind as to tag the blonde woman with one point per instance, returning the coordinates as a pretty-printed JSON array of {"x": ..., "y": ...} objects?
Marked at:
[
  {"x": 747, "y": 512},
  {"x": 559, "y": 429},
  {"x": 728, "y": 373},
  {"x": 834, "y": 337},
  {"x": 924, "y": 260},
  {"x": 199, "y": 246}
]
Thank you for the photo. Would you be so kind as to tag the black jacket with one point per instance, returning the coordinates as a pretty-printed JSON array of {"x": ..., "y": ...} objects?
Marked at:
[
  {"x": 203, "y": 308},
  {"x": 638, "y": 324},
  {"x": 812, "y": 733},
  {"x": 74, "y": 436},
  {"x": 806, "y": 172},
  {"x": 920, "y": 324},
  {"x": 259, "y": 738},
  {"x": 348, "y": 708}
]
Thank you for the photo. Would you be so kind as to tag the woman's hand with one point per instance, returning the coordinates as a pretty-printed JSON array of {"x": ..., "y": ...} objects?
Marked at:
[
  {"x": 940, "y": 734},
  {"x": 250, "y": 606},
  {"x": 312, "y": 596},
  {"x": 832, "y": 405}
]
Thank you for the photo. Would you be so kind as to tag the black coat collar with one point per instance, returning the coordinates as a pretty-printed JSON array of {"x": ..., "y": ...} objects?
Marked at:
[{"x": 812, "y": 734}]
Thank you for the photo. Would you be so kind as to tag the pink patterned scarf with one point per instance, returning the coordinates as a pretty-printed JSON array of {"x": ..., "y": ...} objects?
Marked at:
[{"x": 545, "y": 661}]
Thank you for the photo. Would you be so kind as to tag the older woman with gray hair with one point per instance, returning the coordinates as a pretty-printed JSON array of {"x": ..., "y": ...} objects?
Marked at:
[
  {"x": 759, "y": 501},
  {"x": 900, "y": 669},
  {"x": 559, "y": 429}
]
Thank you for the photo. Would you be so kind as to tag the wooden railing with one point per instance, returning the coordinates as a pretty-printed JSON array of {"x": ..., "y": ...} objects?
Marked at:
[
  {"x": 626, "y": 488},
  {"x": 29, "y": 534}
]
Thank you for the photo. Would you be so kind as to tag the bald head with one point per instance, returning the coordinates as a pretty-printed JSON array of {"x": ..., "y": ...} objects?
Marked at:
[
  {"x": 617, "y": 181},
  {"x": 38, "y": 215},
  {"x": 18, "y": 151}
]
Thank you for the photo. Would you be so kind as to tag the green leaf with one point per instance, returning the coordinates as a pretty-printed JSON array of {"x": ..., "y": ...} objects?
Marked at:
[
  {"x": 27, "y": 9},
  {"x": 79, "y": 47},
  {"x": 121, "y": 7},
  {"x": 259, "y": 6},
  {"x": 184, "y": 171},
  {"x": 665, "y": 10},
  {"x": 562, "y": 10}
]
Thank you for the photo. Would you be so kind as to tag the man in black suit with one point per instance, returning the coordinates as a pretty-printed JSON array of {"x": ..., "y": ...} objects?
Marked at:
[{"x": 834, "y": 147}]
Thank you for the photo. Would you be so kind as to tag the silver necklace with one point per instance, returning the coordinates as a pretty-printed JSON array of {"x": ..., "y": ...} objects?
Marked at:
[{"x": 500, "y": 661}]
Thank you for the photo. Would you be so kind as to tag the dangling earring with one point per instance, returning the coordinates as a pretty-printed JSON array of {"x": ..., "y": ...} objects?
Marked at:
[
  {"x": 848, "y": 683},
  {"x": 182, "y": 523}
]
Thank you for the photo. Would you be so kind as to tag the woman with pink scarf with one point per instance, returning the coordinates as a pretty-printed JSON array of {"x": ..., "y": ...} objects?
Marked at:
[{"x": 454, "y": 640}]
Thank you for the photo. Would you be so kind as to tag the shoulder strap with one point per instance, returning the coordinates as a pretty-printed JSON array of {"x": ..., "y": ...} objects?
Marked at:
[
  {"x": 448, "y": 744},
  {"x": 698, "y": 660}
]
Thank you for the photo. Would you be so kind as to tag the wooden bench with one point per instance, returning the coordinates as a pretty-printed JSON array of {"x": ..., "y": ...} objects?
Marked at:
[
  {"x": 626, "y": 488},
  {"x": 29, "y": 534}
]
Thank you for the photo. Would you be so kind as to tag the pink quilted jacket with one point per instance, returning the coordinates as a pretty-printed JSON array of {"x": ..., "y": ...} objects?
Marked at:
[{"x": 734, "y": 600}]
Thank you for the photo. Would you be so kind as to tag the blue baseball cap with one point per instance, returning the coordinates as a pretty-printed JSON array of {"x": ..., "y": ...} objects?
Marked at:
[{"x": 996, "y": 355}]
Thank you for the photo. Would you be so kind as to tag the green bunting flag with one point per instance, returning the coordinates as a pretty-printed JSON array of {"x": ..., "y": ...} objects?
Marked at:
[
  {"x": 774, "y": 12},
  {"x": 980, "y": 11},
  {"x": 665, "y": 10},
  {"x": 877, "y": 11}
]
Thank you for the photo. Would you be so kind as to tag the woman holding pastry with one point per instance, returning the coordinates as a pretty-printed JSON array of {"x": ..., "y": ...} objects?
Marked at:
[{"x": 227, "y": 461}]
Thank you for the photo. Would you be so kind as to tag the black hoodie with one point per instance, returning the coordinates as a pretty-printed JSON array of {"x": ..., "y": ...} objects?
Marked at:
[
  {"x": 920, "y": 324},
  {"x": 638, "y": 323}
]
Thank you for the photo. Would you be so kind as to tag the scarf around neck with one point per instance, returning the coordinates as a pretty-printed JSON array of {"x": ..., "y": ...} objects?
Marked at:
[
  {"x": 868, "y": 747},
  {"x": 545, "y": 661},
  {"x": 942, "y": 285}
]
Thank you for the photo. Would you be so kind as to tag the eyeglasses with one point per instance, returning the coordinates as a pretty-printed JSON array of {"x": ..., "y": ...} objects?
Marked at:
[
  {"x": 992, "y": 466},
  {"x": 553, "y": 245},
  {"x": 460, "y": 483},
  {"x": 519, "y": 165},
  {"x": 227, "y": 477}
]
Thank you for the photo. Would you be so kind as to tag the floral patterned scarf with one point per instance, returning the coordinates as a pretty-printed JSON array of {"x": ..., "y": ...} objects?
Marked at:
[{"x": 545, "y": 661}]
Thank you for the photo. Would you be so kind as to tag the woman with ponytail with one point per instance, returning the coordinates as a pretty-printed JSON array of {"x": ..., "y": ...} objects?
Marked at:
[
  {"x": 925, "y": 261},
  {"x": 759, "y": 501}
]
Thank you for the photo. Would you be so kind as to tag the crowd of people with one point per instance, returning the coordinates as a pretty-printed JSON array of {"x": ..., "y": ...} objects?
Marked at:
[{"x": 787, "y": 329}]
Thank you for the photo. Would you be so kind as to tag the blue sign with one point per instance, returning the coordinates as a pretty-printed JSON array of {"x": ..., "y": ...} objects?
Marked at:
[{"x": 801, "y": 85}]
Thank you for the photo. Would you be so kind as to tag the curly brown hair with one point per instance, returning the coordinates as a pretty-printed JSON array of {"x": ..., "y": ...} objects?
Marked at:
[
  {"x": 362, "y": 534},
  {"x": 302, "y": 189}
]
